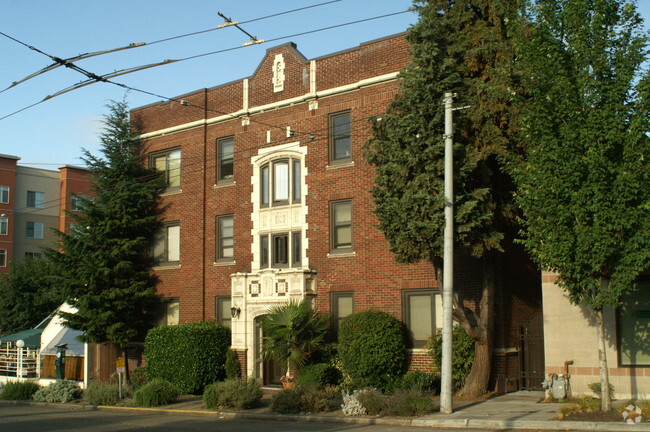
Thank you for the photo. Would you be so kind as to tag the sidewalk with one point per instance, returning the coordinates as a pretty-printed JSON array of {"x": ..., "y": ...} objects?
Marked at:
[{"x": 513, "y": 411}]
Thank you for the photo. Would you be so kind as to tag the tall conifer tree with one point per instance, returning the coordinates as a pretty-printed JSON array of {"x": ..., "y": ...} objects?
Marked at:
[
  {"x": 584, "y": 180},
  {"x": 465, "y": 47},
  {"x": 104, "y": 261}
]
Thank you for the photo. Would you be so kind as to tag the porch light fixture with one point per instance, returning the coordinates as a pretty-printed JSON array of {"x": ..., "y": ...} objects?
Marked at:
[{"x": 235, "y": 311}]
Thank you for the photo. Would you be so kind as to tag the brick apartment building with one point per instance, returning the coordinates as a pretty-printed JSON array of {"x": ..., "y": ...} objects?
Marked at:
[
  {"x": 268, "y": 200},
  {"x": 32, "y": 202}
]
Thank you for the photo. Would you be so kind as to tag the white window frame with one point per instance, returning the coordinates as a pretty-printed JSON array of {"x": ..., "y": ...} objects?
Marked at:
[
  {"x": 5, "y": 194},
  {"x": 4, "y": 225}
]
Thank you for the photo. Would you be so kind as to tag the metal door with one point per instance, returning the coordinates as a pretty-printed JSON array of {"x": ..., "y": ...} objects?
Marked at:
[{"x": 531, "y": 354}]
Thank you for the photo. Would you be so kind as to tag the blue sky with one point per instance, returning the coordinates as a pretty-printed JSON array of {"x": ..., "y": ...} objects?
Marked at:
[{"x": 52, "y": 133}]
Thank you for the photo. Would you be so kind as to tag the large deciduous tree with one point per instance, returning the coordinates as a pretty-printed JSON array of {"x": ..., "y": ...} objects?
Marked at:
[
  {"x": 104, "y": 260},
  {"x": 464, "y": 47},
  {"x": 583, "y": 182}
]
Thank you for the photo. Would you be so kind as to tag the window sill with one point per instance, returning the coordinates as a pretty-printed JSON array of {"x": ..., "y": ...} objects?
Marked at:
[
  {"x": 341, "y": 254},
  {"x": 169, "y": 266},
  {"x": 224, "y": 184},
  {"x": 224, "y": 263},
  {"x": 169, "y": 192},
  {"x": 340, "y": 165}
]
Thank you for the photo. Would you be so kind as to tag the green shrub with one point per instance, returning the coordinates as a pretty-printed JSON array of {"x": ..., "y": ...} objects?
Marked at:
[
  {"x": 372, "y": 400},
  {"x": 462, "y": 358},
  {"x": 232, "y": 365},
  {"x": 415, "y": 380},
  {"x": 372, "y": 348},
  {"x": 138, "y": 377},
  {"x": 19, "y": 390},
  {"x": 409, "y": 403},
  {"x": 157, "y": 392},
  {"x": 233, "y": 393},
  {"x": 60, "y": 391},
  {"x": 319, "y": 374},
  {"x": 288, "y": 402},
  {"x": 320, "y": 399},
  {"x": 100, "y": 393},
  {"x": 190, "y": 356}
]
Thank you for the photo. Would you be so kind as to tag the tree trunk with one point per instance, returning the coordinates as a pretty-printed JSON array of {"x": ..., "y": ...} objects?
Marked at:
[
  {"x": 480, "y": 327},
  {"x": 605, "y": 400}
]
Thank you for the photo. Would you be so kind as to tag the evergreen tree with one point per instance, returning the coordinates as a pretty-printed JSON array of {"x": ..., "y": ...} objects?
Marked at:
[
  {"x": 465, "y": 47},
  {"x": 583, "y": 183},
  {"x": 104, "y": 261},
  {"x": 28, "y": 295}
]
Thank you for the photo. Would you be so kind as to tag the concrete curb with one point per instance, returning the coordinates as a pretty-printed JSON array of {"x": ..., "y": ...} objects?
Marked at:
[{"x": 429, "y": 421}]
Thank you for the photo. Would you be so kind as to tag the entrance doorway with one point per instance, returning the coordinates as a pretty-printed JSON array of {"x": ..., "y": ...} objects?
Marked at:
[
  {"x": 267, "y": 371},
  {"x": 531, "y": 349}
]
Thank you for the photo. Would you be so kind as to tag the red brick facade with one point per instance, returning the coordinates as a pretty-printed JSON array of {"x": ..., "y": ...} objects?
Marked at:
[{"x": 284, "y": 108}]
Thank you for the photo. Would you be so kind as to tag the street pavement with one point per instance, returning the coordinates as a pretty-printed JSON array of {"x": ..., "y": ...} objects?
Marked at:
[{"x": 513, "y": 411}]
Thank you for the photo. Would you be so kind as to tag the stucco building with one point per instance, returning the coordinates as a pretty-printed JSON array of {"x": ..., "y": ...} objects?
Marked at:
[{"x": 32, "y": 202}]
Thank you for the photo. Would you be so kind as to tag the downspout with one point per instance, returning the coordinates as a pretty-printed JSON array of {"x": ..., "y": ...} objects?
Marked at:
[{"x": 205, "y": 155}]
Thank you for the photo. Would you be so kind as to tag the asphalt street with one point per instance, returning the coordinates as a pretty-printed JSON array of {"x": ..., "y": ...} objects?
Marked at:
[{"x": 25, "y": 418}]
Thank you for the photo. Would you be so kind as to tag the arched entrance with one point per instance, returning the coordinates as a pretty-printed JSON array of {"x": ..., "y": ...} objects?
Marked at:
[
  {"x": 531, "y": 354},
  {"x": 267, "y": 371}
]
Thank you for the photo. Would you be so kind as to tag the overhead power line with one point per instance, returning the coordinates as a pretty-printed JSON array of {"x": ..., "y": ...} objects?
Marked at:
[
  {"x": 92, "y": 78},
  {"x": 63, "y": 62}
]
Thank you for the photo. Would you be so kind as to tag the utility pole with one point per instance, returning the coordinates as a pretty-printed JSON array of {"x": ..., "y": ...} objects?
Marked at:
[{"x": 448, "y": 260}]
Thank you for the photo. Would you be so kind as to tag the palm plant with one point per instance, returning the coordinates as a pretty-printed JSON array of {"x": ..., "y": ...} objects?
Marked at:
[{"x": 292, "y": 332}]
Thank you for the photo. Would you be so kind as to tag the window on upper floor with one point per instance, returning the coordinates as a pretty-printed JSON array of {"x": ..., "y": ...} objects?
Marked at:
[
  {"x": 634, "y": 326},
  {"x": 419, "y": 312},
  {"x": 281, "y": 250},
  {"x": 4, "y": 194},
  {"x": 167, "y": 312},
  {"x": 280, "y": 183},
  {"x": 34, "y": 230},
  {"x": 342, "y": 306},
  {"x": 3, "y": 257},
  {"x": 4, "y": 226},
  {"x": 222, "y": 309},
  {"x": 33, "y": 255},
  {"x": 225, "y": 160},
  {"x": 168, "y": 162},
  {"x": 35, "y": 199},
  {"x": 78, "y": 201},
  {"x": 341, "y": 226},
  {"x": 340, "y": 140},
  {"x": 166, "y": 248},
  {"x": 225, "y": 238}
]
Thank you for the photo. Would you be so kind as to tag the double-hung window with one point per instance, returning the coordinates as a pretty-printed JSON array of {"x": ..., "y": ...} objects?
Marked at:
[
  {"x": 34, "y": 230},
  {"x": 419, "y": 311},
  {"x": 280, "y": 183},
  {"x": 166, "y": 247},
  {"x": 35, "y": 199},
  {"x": 340, "y": 142},
  {"x": 225, "y": 238},
  {"x": 225, "y": 160},
  {"x": 279, "y": 250},
  {"x": 341, "y": 226},
  {"x": 168, "y": 312},
  {"x": 168, "y": 162},
  {"x": 4, "y": 226},
  {"x": 222, "y": 305},
  {"x": 77, "y": 202},
  {"x": 3, "y": 257},
  {"x": 342, "y": 306},
  {"x": 4, "y": 194}
]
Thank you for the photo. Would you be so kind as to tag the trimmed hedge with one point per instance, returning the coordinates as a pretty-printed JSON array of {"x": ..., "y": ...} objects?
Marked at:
[
  {"x": 158, "y": 392},
  {"x": 372, "y": 348},
  {"x": 319, "y": 374},
  {"x": 190, "y": 356}
]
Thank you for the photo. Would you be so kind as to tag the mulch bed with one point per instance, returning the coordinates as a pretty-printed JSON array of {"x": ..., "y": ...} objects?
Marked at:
[{"x": 596, "y": 416}]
